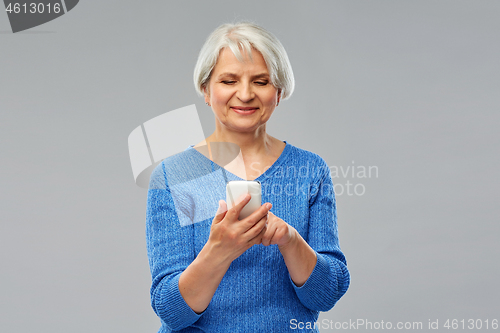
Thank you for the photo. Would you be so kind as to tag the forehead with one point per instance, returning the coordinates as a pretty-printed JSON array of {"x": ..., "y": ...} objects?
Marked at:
[{"x": 227, "y": 61}]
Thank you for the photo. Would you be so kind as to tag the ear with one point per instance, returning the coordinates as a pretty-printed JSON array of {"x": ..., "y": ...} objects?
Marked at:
[
  {"x": 279, "y": 97},
  {"x": 207, "y": 95}
]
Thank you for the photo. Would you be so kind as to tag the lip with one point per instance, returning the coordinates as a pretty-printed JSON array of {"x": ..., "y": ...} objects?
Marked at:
[{"x": 244, "y": 110}]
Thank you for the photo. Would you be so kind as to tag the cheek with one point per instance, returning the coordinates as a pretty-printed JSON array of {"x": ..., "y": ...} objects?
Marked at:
[
  {"x": 271, "y": 97},
  {"x": 221, "y": 96}
]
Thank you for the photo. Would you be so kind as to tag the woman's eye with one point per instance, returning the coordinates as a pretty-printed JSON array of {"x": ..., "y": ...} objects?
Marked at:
[
  {"x": 261, "y": 83},
  {"x": 228, "y": 82}
]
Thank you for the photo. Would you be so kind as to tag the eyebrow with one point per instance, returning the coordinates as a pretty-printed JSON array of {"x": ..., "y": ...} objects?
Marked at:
[{"x": 261, "y": 75}]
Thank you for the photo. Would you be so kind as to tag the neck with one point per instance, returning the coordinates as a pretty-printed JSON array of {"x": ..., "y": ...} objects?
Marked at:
[{"x": 250, "y": 143}]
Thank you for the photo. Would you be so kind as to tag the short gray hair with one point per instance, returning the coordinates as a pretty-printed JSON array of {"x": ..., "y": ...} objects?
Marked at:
[{"x": 245, "y": 35}]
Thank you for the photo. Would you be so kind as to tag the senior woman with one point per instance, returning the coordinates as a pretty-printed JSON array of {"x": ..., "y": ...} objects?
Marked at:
[{"x": 274, "y": 270}]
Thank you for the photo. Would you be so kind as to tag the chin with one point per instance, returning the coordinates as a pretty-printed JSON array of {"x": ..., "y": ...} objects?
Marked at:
[{"x": 244, "y": 129}]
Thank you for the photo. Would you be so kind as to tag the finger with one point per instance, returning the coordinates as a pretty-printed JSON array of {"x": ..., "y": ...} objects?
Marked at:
[
  {"x": 256, "y": 228},
  {"x": 278, "y": 235},
  {"x": 257, "y": 215},
  {"x": 242, "y": 201},
  {"x": 241, "y": 198},
  {"x": 257, "y": 239},
  {"x": 221, "y": 211},
  {"x": 267, "y": 238}
]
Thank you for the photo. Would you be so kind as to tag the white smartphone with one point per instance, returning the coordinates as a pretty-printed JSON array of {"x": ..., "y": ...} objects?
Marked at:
[{"x": 236, "y": 188}]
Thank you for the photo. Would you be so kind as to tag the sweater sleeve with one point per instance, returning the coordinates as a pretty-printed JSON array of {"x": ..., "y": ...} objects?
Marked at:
[
  {"x": 330, "y": 278},
  {"x": 170, "y": 250}
]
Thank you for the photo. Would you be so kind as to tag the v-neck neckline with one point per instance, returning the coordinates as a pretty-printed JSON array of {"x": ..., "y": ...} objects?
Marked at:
[{"x": 265, "y": 174}]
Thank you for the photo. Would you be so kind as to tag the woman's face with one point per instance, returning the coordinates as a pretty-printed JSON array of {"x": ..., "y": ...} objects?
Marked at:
[{"x": 241, "y": 93}]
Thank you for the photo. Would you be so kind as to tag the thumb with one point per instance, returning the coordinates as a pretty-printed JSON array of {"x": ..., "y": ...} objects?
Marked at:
[{"x": 221, "y": 211}]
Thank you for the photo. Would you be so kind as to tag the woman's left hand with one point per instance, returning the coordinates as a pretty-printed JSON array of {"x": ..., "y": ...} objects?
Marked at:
[{"x": 277, "y": 231}]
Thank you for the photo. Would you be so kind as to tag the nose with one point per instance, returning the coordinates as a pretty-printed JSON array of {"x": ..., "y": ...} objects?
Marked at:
[{"x": 245, "y": 92}]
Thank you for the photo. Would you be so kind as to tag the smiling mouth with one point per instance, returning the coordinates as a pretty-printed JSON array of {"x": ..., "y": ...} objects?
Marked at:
[{"x": 244, "y": 110}]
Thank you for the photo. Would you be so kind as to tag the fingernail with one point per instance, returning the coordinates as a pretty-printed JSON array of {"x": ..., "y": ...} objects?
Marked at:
[{"x": 268, "y": 206}]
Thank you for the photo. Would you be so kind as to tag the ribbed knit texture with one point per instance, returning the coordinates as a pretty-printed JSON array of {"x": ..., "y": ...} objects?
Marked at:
[{"x": 256, "y": 293}]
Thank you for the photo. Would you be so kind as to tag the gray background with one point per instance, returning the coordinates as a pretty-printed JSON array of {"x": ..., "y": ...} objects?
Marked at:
[{"x": 409, "y": 87}]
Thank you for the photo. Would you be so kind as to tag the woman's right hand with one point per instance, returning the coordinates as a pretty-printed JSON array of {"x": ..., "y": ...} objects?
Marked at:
[{"x": 229, "y": 237}]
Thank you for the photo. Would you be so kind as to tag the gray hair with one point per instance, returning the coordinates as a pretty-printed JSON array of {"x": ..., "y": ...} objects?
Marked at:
[{"x": 245, "y": 36}]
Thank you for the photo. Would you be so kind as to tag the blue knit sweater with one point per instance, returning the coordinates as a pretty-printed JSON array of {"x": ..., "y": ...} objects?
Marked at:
[{"x": 256, "y": 294}]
